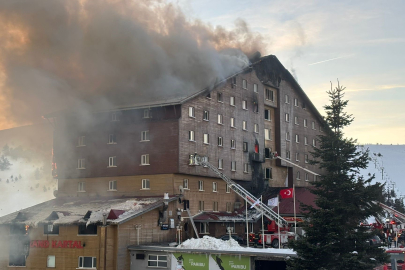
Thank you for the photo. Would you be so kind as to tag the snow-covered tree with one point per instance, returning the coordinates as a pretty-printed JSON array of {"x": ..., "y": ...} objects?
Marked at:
[{"x": 334, "y": 238}]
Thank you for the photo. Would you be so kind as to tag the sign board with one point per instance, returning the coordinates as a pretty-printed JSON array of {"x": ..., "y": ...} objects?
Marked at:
[
  {"x": 164, "y": 227},
  {"x": 229, "y": 262},
  {"x": 55, "y": 244},
  {"x": 185, "y": 261}
]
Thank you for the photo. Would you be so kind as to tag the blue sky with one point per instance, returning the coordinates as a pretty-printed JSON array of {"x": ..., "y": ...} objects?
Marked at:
[{"x": 364, "y": 42}]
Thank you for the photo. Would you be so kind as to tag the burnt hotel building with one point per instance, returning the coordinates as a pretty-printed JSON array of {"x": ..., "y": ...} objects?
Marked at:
[{"x": 124, "y": 177}]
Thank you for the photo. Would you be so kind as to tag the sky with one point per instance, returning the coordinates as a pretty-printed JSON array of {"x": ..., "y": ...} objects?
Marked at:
[{"x": 359, "y": 43}]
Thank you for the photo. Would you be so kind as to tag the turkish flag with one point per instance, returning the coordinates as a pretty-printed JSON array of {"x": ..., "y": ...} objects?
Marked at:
[{"x": 286, "y": 193}]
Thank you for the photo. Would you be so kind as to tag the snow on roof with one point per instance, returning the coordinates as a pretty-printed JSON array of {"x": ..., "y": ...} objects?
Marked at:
[
  {"x": 252, "y": 215},
  {"x": 74, "y": 210},
  {"x": 211, "y": 243}
]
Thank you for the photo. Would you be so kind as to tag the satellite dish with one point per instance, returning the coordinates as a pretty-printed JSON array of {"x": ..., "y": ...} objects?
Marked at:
[{"x": 181, "y": 189}]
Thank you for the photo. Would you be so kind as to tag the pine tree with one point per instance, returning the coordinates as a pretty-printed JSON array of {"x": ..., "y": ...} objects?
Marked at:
[{"x": 334, "y": 238}]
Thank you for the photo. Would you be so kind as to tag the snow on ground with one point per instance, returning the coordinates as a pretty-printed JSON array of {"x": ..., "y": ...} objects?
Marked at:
[{"x": 211, "y": 243}]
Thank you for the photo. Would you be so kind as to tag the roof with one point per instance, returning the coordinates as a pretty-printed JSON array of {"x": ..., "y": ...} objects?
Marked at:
[
  {"x": 253, "y": 216},
  {"x": 267, "y": 252},
  {"x": 85, "y": 211}
]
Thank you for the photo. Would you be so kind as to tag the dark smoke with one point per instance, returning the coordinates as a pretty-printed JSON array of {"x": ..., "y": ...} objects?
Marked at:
[{"x": 59, "y": 53}]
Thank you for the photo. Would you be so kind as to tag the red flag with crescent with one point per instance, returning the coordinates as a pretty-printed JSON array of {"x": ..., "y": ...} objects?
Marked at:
[{"x": 286, "y": 193}]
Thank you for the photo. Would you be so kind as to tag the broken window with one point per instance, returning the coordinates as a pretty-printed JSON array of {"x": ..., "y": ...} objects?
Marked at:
[
  {"x": 90, "y": 229},
  {"x": 268, "y": 174},
  {"x": 220, "y": 97}
]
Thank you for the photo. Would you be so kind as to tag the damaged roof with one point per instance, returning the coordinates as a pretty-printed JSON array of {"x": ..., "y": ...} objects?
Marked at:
[
  {"x": 69, "y": 210},
  {"x": 237, "y": 216}
]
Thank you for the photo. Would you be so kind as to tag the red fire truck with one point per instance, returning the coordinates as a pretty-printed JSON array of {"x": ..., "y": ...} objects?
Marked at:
[{"x": 271, "y": 236}]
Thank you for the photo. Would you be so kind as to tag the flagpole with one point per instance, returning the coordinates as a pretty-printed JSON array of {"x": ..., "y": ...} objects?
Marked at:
[
  {"x": 278, "y": 217},
  {"x": 261, "y": 200},
  {"x": 247, "y": 225},
  {"x": 295, "y": 217}
]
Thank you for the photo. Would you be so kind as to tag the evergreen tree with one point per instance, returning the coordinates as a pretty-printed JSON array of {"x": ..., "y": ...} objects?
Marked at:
[
  {"x": 4, "y": 163},
  {"x": 334, "y": 238}
]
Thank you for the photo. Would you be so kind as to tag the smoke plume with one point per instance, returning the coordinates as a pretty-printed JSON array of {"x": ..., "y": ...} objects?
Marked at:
[{"x": 60, "y": 53}]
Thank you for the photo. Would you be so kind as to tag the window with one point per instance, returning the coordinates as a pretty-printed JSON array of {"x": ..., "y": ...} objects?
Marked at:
[
  {"x": 306, "y": 158},
  {"x": 313, "y": 142},
  {"x": 267, "y": 115},
  {"x": 287, "y": 117},
  {"x": 145, "y": 159},
  {"x": 297, "y": 138},
  {"x": 320, "y": 128},
  {"x": 204, "y": 227},
  {"x": 206, "y": 138},
  {"x": 305, "y": 123},
  {"x": 232, "y": 101},
  {"x": 81, "y": 163},
  {"x": 233, "y": 166},
  {"x": 87, "y": 262},
  {"x": 256, "y": 107},
  {"x": 147, "y": 113},
  {"x": 267, "y": 135},
  {"x": 114, "y": 116},
  {"x": 112, "y": 185},
  {"x": 297, "y": 157},
  {"x": 313, "y": 125},
  {"x": 287, "y": 136},
  {"x": 232, "y": 122},
  {"x": 256, "y": 128},
  {"x": 145, "y": 184},
  {"x": 220, "y": 163},
  {"x": 296, "y": 102},
  {"x": 81, "y": 187},
  {"x": 215, "y": 207},
  {"x": 268, "y": 174},
  {"x": 50, "y": 262},
  {"x": 246, "y": 167},
  {"x": 245, "y": 147},
  {"x": 233, "y": 144},
  {"x": 269, "y": 95},
  {"x": 255, "y": 89},
  {"x": 234, "y": 80},
  {"x": 287, "y": 156},
  {"x": 157, "y": 260},
  {"x": 112, "y": 139},
  {"x": 112, "y": 162},
  {"x": 220, "y": 97},
  {"x": 191, "y": 112},
  {"x": 191, "y": 160},
  {"x": 81, "y": 141},
  {"x": 304, "y": 106},
  {"x": 90, "y": 229},
  {"x": 228, "y": 207},
  {"x": 306, "y": 177},
  {"x": 314, "y": 177},
  {"x": 51, "y": 229},
  {"x": 244, "y": 125},
  {"x": 191, "y": 136},
  {"x": 244, "y": 104},
  {"x": 201, "y": 205},
  {"x": 206, "y": 116},
  {"x": 220, "y": 141},
  {"x": 296, "y": 120},
  {"x": 298, "y": 176},
  {"x": 214, "y": 187},
  {"x": 244, "y": 84},
  {"x": 251, "y": 227},
  {"x": 200, "y": 185},
  {"x": 228, "y": 188},
  {"x": 305, "y": 140},
  {"x": 185, "y": 183},
  {"x": 208, "y": 95},
  {"x": 145, "y": 136},
  {"x": 287, "y": 99},
  {"x": 220, "y": 119},
  {"x": 267, "y": 152}
]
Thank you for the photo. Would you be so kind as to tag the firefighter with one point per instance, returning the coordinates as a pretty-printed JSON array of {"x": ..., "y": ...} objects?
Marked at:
[{"x": 257, "y": 237}]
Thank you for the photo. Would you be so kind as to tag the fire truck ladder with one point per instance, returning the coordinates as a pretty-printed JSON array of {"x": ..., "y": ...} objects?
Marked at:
[
  {"x": 257, "y": 204},
  {"x": 392, "y": 211}
]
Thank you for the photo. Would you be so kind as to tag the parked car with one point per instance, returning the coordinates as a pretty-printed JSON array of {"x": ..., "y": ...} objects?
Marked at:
[
  {"x": 238, "y": 239},
  {"x": 375, "y": 241}
]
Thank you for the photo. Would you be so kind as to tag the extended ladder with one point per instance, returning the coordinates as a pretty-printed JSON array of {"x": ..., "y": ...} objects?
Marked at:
[{"x": 257, "y": 204}]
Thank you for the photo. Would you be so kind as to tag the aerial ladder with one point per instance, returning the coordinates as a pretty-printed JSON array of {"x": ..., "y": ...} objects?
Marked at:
[
  {"x": 198, "y": 160},
  {"x": 392, "y": 211}
]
